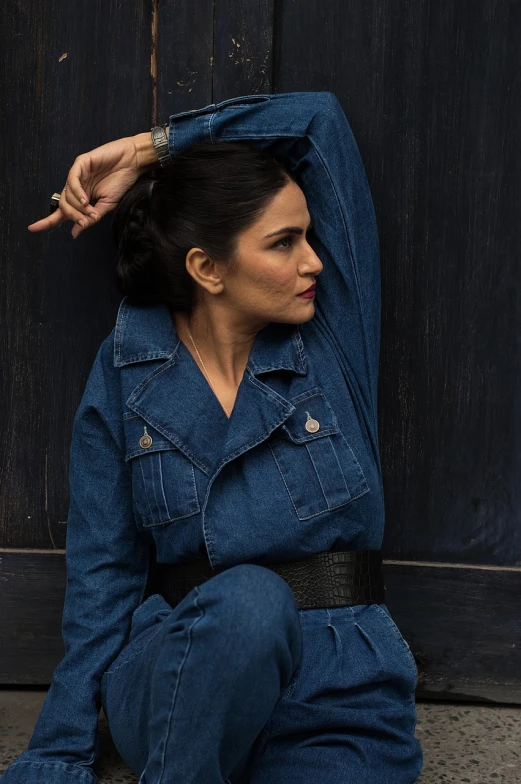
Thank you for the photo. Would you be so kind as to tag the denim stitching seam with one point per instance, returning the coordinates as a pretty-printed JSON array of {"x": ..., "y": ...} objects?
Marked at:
[
  {"x": 135, "y": 653},
  {"x": 176, "y": 690},
  {"x": 285, "y": 483},
  {"x": 145, "y": 489},
  {"x": 392, "y": 625},
  {"x": 356, "y": 462},
  {"x": 340, "y": 467},
  {"x": 318, "y": 476},
  {"x": 162, "y": 484}
]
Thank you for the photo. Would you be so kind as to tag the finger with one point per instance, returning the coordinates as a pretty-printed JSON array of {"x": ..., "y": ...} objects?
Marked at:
[
  {"x": 75, "y": 203},
  {"x": 76, "y": 231},
  {"x": 74, "y": 182},
  {"x": 102, "y": 208},
  {"x": 70, "y": 211},
  {"x": 50, "y": 222}
]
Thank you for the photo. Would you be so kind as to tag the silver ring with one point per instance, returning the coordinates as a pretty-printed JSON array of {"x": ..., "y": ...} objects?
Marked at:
[{"x": 55, "y": 200}]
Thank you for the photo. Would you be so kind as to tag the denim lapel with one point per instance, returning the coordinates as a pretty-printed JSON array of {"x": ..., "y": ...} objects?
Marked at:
[
  {"x": 259, "y": 409},
  {"x": 176, "y": 399}
]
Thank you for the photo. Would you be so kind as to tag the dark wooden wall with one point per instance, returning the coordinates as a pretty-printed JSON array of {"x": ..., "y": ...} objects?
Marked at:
[
  {"x": 433, "y": 94},
  {"x": 73, "y": 76}
]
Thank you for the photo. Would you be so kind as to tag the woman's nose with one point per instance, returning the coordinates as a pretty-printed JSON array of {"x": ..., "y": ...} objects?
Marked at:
[{"x": 312, "y": 263}]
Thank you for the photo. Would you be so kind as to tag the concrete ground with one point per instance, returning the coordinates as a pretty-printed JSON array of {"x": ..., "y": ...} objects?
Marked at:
[{"x": 474, "y": 743}]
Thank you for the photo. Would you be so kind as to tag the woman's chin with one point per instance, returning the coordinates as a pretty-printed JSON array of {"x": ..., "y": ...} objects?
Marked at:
[{"x": 301, "y": 317}]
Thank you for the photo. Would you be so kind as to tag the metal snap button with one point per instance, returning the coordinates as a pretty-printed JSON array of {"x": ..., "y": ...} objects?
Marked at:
[
  {"x": 145, "y": 441},
  {"x": 312, "y": 425}
]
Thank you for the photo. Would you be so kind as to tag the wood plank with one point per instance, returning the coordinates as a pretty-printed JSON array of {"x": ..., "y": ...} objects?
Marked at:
[
  {"x": 33, "y": 591},
  {"x": 462, "y": 623},
  {"x": 433, "y": 94},
  {"x": 75, "y": 75},
  {"x": 184, "y": 56},
  {"x": 243, "y": 56}
]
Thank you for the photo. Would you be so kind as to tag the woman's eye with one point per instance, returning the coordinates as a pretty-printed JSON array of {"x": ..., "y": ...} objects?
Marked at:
[{"x": 288, "y": 240}]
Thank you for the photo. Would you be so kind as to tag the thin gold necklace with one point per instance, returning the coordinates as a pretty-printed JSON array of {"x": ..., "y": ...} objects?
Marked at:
[{"x": 207, "y": 374}]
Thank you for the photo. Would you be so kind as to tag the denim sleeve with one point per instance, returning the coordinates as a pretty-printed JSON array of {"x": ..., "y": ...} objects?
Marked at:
[
  {"x": 310, "y": 132},
  {"x": 107, "y": 568}
]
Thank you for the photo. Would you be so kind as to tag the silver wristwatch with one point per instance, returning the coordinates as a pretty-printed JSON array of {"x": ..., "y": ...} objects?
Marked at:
[{"x": 160, "y": 142}]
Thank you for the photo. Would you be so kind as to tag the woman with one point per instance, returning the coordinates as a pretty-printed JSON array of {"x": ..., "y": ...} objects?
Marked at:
[{"x": 229, "y": 426}]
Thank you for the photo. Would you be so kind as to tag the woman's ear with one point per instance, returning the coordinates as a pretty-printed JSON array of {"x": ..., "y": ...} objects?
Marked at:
[{"x": 204, "y": 271}]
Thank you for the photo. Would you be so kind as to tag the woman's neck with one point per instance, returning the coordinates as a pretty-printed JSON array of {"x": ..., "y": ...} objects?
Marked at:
[{"x": 222, "y": 341}]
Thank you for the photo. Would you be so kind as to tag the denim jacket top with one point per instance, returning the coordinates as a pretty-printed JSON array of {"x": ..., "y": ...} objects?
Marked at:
[{"x": 258, "y": 487}]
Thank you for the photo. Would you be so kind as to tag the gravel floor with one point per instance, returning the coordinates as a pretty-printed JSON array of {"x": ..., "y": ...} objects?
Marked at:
[{"x": 473, "y": 743}]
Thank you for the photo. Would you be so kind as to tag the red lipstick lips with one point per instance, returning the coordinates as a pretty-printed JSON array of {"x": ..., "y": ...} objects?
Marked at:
[{"x": 308, "y": 293}]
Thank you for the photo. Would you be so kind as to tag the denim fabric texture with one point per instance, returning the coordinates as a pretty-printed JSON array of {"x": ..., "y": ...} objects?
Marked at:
[{"x": 235, "y": 684}]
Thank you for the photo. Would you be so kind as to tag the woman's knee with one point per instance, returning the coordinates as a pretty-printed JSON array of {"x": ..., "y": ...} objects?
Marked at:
[
  {"x": 254, "y": 588},
  {"x": 254, "y": 599}
]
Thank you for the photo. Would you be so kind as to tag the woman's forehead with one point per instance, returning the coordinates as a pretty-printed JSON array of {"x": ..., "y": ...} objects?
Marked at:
[{"x": 287, "y": 208}]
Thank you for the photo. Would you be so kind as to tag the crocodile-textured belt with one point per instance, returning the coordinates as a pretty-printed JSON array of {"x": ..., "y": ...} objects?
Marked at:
[{"x": 331, "y": 579}]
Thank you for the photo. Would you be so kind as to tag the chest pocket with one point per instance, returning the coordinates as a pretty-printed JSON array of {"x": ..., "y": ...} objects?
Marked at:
[
  {"x": 318, "y": 467},
  {"x": 163, "y": 481}
]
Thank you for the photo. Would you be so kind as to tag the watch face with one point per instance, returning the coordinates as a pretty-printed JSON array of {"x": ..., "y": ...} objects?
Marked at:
[{"x": 158, "y": 132}]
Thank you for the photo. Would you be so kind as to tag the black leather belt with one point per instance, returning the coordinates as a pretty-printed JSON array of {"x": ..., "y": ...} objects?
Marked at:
[{"x": 330, "y": 579}]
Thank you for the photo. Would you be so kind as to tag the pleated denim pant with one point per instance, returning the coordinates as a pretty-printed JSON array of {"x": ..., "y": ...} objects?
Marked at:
[{"x": 237, "y": 685}]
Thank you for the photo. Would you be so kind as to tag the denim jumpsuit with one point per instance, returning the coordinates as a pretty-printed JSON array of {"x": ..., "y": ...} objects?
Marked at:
[{"x": 236, "y": 684}]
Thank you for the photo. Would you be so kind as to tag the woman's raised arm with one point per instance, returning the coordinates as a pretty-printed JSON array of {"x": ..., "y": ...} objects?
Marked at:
[{"x": 309, "y": 130}]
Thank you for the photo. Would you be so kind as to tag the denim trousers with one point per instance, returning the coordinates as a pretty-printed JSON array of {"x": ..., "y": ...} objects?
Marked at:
[{"x": 235, "y": 684}]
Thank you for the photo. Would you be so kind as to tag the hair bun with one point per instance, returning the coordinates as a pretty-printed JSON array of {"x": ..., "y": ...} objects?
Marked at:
[{"x": 136, "y": 270}]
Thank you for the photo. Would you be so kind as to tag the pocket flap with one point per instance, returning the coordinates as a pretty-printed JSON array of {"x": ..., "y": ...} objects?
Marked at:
[
  {"x": 313, "y": 418},
  {"x": 163, "y": 479},
  {"x": 135, "y": 429}
]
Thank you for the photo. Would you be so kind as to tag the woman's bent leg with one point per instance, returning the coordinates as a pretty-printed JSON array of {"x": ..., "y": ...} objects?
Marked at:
[
  {"x": 349, "y": 714},
  {"x": 188, "y": 697}
]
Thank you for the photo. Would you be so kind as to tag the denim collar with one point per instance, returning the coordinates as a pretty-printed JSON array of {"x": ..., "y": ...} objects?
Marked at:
[
  {"x": 147, "y": 332},
  {"x": 176, "y": 399}
]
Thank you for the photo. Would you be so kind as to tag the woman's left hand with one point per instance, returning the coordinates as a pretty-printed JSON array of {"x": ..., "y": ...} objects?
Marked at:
[{"x": 95, "y": 184}]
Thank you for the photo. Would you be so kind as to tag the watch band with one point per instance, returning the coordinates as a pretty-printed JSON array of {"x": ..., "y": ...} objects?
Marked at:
[{"x": 160, "y": 142}]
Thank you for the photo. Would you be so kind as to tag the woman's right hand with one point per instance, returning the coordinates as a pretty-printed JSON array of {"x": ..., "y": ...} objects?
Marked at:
[{"x": 99, "y": 178}]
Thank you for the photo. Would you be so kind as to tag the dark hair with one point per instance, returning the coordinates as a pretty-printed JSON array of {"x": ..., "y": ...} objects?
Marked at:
[{"x": 209, "y": 194}]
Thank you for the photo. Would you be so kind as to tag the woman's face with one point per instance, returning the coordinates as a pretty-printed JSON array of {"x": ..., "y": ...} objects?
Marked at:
[{"x": 274, "y": 264}]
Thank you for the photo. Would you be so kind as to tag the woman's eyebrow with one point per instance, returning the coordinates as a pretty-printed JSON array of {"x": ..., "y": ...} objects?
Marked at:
[{"x": 288, "y": 230}]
